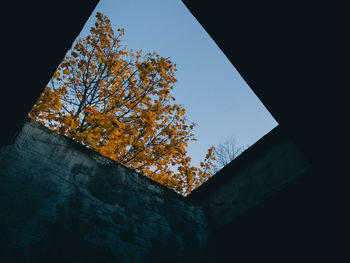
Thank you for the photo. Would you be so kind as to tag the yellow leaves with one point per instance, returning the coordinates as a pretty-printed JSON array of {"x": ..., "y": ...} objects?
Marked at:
[
  {"x": 99, "y": 16},
  {"x": 211, "y": 151},
  {"x": 74, "y": 54},
  {"x": 138, "y": 54},
  {"x": 181, "y": 112},
  {"x": 121, "y": 108},
  {"x": 56, "y": 74}
]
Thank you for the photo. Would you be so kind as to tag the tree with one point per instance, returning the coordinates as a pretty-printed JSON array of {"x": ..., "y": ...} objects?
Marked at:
[
  {"x": 224, "y": 153},
  {"x": 119, "y": 103}
]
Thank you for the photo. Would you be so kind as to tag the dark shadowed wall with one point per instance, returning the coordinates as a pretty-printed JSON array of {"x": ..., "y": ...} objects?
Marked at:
[{"x": 61, "y": 202}]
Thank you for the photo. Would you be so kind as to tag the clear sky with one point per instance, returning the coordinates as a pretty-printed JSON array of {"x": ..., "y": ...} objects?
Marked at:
[{"x": 213, "y": 92}]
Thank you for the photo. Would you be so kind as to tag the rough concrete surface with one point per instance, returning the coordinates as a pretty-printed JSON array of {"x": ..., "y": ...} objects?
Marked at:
[
  {"x": 62, "y": 202},
  {"x": 264, "y": 169}
]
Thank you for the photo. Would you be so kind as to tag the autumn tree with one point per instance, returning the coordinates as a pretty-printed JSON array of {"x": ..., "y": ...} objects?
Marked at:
[{"x": 119, "y": 103}]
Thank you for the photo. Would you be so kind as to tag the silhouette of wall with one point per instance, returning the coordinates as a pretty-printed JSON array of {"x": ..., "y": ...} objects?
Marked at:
[
  {"x": 38, "y": 33},
  {"x": 62, "y": 202},
  {"x": 264, "y": 169}
]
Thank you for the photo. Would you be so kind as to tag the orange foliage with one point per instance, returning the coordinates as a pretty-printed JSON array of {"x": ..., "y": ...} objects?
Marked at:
[{"x": 119, "y": 104}]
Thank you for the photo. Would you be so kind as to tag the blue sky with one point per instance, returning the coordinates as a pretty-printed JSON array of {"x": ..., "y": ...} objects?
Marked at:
[{"x": 213, "y": 92}]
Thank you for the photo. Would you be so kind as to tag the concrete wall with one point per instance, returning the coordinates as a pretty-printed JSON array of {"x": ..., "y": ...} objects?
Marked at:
[
  {"x": 264, "y": 169},
  {"x": 61, "y": 202}
]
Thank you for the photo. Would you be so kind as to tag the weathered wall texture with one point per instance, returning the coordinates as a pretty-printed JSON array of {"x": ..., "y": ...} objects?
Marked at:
[
  {"x": 265, "y": 168},
  {"x": 61, "y": 202}
]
